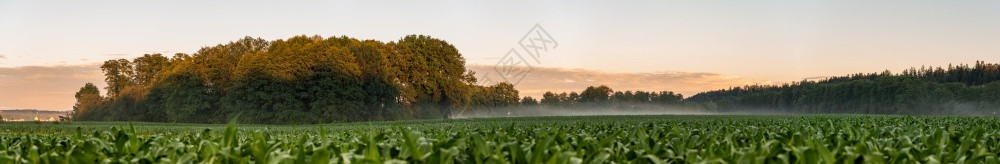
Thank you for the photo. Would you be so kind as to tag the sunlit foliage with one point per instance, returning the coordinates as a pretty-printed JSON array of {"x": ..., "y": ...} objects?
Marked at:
[{"x": 303, "y": 79}]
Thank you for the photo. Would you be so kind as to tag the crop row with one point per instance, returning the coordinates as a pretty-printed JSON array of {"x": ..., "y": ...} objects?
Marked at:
[{"x": 600, "y": 139}]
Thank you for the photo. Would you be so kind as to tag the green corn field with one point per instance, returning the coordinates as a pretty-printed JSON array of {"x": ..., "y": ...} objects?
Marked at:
[{"x": 582, "y": 139}]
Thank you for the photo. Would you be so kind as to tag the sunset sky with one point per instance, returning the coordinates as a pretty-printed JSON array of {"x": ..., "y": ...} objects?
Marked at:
[{"x": 48, "y": 49}]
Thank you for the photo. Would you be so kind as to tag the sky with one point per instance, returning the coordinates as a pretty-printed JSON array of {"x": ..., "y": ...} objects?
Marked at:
[{"x": 46, "y": 47}]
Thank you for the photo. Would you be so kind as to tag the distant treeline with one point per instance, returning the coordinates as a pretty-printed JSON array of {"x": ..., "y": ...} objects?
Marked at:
[
  {"x": 956, "y": 89},
  {"x": 604, "y": 97},
  {"x": 299, "y": 80},
  {"x": 591, "y": 98}
]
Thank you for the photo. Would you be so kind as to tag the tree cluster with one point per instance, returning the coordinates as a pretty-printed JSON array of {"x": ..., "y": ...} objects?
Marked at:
[
  {"x": 502, "y": 100},
  {"x": 605, "y": 97},
  {"x": 304, "y": 79},
  {"x": 960, "y": 89}
]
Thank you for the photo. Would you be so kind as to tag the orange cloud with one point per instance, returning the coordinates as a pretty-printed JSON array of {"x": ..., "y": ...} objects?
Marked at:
[
  {"x": 542, "y": 79},
  {"x": 52, "y": 87},
  {"x": 45, "y": 87}
]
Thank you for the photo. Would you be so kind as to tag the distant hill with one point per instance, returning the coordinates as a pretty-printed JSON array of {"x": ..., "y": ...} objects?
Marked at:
[{"x": 30, "y": 114}]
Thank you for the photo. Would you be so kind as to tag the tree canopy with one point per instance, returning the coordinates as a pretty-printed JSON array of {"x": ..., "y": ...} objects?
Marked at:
[{"x": 303, "y": 79}]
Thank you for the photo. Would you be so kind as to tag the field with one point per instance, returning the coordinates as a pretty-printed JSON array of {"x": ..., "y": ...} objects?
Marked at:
[{"x": 583, "y": 139}]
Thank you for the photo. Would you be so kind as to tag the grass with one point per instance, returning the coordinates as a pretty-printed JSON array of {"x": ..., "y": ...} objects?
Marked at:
[{"x": 580, "y": 139}]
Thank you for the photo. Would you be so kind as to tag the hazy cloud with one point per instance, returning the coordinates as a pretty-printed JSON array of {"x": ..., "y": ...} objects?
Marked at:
[
  {"x": 543, "y": 79},
  {"x": 45, "y": 87},
  {"x": 116, "y": 55},
  {"x": 2, "y": 56},
  {"x": 159, "y": 52}
]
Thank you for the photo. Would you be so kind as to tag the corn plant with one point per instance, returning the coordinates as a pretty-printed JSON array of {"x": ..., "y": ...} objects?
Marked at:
[{"x": 590, "y": 139}]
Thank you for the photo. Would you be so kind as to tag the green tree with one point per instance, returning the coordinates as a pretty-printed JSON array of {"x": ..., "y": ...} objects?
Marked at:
[
  {"x": 437, "y": 82},
  {"x": 598, "y": 95},
  {"x": 118, "y": 74},
  {"x": 148, "y": 66},
  {"x": 552, "y": 100},
  {"x": 88, "y": 98},
  {"x": 528, "y": 101},
  {"x": 185, "y": 98},
  {"x": 217, "y": 64}
]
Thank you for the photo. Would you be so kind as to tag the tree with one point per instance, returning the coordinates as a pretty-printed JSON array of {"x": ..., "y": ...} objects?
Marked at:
[
  {"x": 528, "y": 101},
  {"x": 301, "y": 80},
  {"x": 437, "y": 82},
  {"x": 118, "y": 74},
  {"x": 573, "y": 99},
  {"x": 88, "y": 98},
  {"x": 178, "y": 57},
  {"x": 148, "y": 66},
  {"x": 217, "y": 64},
  {"x": 498, "y": 97},
  {"x": 504, "y": 94},
  {"x": 185, "y": 98},
  {"x": 598, "y": 95},
  {"x": 551, "y": 100},
  {"x": 378, "y": 75},
  {"x": 87, "y": 89}
]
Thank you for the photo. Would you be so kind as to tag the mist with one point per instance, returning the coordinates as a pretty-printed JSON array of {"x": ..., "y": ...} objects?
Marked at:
[
  {"x": 580, "y": 111},
  {"x": 951, "y": 109}
]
